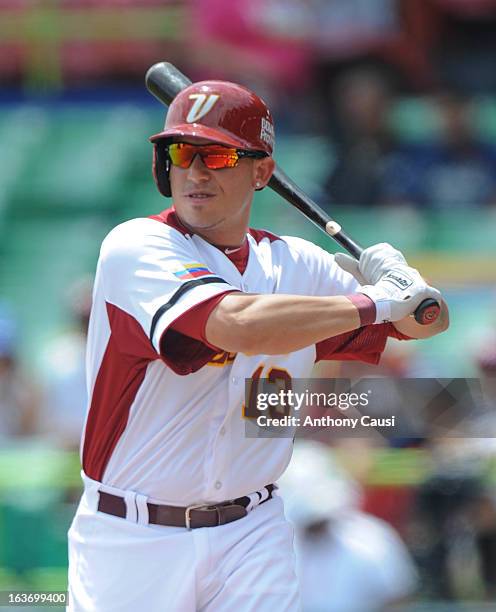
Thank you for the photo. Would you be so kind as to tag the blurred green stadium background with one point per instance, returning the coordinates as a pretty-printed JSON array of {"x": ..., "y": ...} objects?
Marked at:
[
  {"x": 69, "y": 174},
  {"x": 72, "y": 168}
]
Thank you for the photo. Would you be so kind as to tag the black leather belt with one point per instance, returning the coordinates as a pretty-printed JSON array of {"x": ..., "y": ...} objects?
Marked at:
[{"x": 191, "y": 517}]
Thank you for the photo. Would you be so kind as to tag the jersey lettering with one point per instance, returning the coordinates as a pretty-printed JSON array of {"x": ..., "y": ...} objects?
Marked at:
[{"x": 222, "y": 359}]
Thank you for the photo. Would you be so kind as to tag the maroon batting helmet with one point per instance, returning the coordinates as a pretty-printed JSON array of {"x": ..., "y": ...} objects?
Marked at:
[{"x": 223, "y": 112}]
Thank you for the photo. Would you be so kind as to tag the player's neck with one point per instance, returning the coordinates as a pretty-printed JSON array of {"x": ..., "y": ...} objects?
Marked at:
[
  {"x": 231, "y": 231},
  {"x": 229, "y": 248},
  {"x": 221, "y": 238},
  {"x": 226, "y": 235},
  {"x": 226, "y": 241}
]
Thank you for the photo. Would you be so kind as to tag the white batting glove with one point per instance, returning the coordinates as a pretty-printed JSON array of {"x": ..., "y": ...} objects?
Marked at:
[
  {"x": 398, "y": 293},
  {"x": 374, "y": 262}
]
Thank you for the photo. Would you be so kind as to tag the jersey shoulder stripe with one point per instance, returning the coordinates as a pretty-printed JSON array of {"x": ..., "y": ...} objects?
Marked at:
[{"x": 177, "y": 295}]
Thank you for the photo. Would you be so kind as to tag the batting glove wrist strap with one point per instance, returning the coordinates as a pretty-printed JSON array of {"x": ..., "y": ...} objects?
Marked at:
[
  {"x": 381, "y": 300},
  {"x": 367, "y": 309}
]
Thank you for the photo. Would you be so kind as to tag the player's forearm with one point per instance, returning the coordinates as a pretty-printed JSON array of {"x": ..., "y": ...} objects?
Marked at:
[{"x": 278, "y": 324}]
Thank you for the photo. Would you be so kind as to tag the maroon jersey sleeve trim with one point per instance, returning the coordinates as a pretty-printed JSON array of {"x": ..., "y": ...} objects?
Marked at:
[
  {"x": 363, "y": 344},
  {"x": 183, "y": 345},
  {"x": 178, "y": 294}
]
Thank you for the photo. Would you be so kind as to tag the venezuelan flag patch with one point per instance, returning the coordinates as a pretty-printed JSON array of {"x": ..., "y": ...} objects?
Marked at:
[{"x": 192, "y": 270}]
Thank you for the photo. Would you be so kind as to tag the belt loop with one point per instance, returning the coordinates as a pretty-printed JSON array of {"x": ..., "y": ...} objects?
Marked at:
[
  {"x": 264, "y": 495},
  {"x": 131, "y": 510},
  {"x": 142, "y": 508},
  {"x": 254, "y": 501},
  {"x": 91, "y": 491}
]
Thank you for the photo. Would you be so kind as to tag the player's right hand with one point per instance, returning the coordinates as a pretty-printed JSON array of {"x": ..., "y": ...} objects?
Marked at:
[
  {"x": 398, "y": 293},
  {"x": 374, "y": 262}
]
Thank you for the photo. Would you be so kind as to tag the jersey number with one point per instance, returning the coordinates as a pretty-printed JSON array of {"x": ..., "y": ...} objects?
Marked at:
[{"x": 276, "y": 380}]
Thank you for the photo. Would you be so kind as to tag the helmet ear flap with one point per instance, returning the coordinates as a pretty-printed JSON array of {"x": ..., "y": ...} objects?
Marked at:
[{"x": 161, "y": 168}]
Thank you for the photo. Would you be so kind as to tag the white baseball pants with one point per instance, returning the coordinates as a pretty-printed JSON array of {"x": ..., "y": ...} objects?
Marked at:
[{"x": 125, "y": 565}]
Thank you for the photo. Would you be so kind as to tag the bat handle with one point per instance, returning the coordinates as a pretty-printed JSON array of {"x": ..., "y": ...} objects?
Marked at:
[{"x": 425, "y": 313}]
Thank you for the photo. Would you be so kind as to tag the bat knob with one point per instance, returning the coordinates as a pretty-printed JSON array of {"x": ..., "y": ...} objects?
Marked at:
[{"x": 427, "y": 312}]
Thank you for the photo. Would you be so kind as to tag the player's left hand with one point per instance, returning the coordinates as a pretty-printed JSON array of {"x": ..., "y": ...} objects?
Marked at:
[{"x": 374, "y": 263}]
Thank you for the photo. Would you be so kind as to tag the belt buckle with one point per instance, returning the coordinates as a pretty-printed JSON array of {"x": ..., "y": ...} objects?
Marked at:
[{"x": 187, "y": 513}]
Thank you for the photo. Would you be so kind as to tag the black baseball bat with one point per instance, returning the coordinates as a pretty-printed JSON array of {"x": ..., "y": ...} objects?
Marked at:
[{"x": 165, "y": 81}]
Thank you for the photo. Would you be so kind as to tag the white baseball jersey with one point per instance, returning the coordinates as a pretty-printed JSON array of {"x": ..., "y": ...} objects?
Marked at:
[{"x": 175, "y": 432}]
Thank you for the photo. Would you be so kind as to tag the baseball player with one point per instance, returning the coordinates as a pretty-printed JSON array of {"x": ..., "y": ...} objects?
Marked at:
[{"x": 180, "y": 510}]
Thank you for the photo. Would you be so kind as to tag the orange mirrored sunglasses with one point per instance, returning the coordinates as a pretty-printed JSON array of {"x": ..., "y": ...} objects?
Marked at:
[{"x": 215, "y": 157}]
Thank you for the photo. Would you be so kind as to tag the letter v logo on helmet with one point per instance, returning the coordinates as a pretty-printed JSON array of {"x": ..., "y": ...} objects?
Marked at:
[{"x": 203, "y": 104}]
